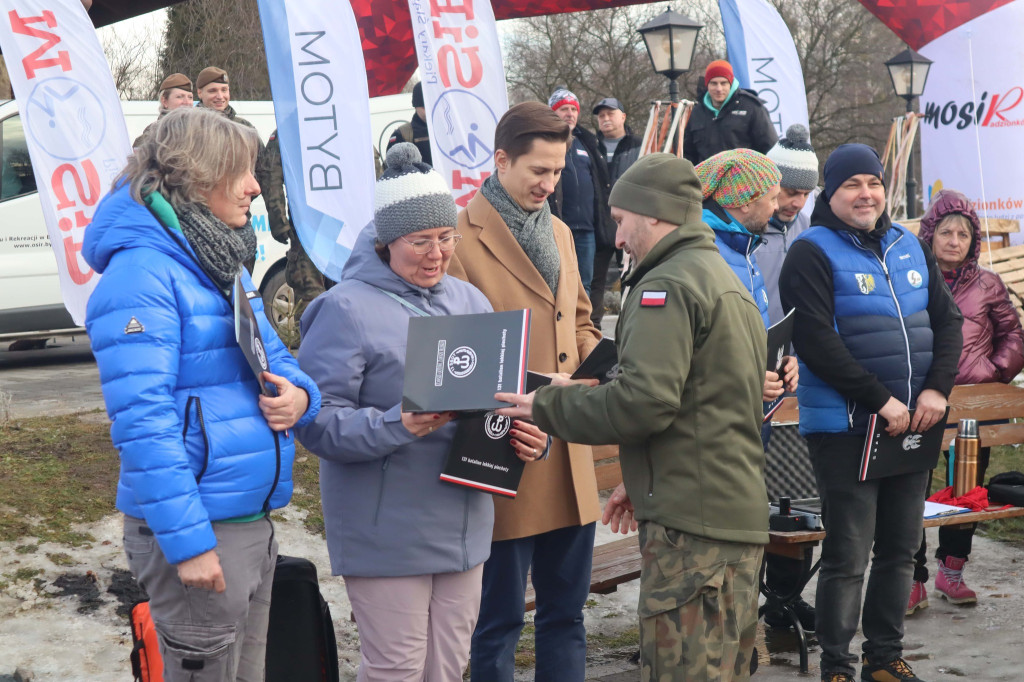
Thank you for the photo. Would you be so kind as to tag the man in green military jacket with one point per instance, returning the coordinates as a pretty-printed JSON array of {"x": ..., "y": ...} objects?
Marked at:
[{"x": 685, "y": 410}]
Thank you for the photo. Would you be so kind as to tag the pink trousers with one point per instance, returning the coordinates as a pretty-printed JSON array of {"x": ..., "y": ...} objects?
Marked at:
[{"x": 415, "y": 628}]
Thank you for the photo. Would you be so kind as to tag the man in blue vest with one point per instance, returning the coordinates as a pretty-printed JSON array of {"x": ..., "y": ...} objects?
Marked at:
[{"x": 876, "y": 331}]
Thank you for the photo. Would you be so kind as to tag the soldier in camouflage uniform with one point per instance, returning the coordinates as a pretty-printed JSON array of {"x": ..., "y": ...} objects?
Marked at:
[{"x": 685, "y": 410}]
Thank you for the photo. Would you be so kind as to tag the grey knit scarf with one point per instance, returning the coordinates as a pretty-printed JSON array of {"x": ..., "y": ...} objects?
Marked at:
[
  {"x": 533, "y": 231},
  {"x": 221, "y": 250}
]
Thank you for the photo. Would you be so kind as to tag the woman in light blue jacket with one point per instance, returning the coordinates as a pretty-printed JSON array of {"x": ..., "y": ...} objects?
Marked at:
[
  {"x": 204, "y": 456},
  {"x": 411, "y": 548}
]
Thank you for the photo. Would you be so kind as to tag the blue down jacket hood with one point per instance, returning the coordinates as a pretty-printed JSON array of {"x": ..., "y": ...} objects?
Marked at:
[
  {"x": 182, "y": 401},
  {"x": 386, "y": 511}
]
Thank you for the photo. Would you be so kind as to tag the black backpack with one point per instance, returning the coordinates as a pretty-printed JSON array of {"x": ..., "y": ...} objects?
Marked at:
[
  {"x": 1007, "y": 488},
  {"x": 300, "y": 639}
]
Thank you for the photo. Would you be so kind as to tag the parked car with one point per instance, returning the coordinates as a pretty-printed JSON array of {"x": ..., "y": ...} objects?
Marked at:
[{"x": 31, "y": 307}]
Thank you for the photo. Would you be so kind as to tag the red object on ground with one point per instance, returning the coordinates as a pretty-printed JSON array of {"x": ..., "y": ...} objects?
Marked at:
[{"x": 919, "y": 22}]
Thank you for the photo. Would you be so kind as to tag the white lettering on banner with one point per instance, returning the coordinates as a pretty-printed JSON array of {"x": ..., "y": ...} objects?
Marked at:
[
  {"x": 76, "y": 136},
  {"x": 463, "y": 87},
  {"x": 972, "y": 131}
]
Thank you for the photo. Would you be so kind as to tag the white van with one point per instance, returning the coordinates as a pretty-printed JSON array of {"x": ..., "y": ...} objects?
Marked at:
[{"x": 31, "y": 306}]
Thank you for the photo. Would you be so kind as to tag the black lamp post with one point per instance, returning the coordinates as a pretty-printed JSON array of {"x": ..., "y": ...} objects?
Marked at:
[
  {"x": 671, "y": 40},
  {"x": 909, "y": 71}
]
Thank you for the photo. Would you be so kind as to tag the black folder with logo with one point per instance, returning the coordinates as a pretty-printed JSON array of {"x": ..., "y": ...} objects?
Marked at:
[
  {"x": 886, "y": 455},
  {"x": 780, "y": 335},
  {"x": 602, "y": 363},
  {"x": 458, "y": 362},
  {"x": 482, "y": 456},
  {"x": 247, "y": 333}
]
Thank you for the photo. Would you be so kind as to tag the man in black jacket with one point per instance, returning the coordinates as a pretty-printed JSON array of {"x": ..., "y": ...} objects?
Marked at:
[
  {"x": 620, "y": 148},
  {"x": 727, "y": 117},
  {"x": 415, "y": 131},
  {"x": 581, "y": 195},
  {"x": 876, "y": 331}
]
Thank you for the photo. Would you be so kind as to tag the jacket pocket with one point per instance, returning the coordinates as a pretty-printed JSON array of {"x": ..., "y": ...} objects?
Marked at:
[
  {"x": 380, "y": 488},
  {"x": 194, "y": 416}
]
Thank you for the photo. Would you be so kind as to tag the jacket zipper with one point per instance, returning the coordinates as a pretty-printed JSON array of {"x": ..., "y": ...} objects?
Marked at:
[
  {"x": 899, "y": 310},
  {"x": 380, "y": 488},
  {"x": 650, "y": 473},
  {"x": 277, "y": 471},
  {"x": 206, "y": 438}
]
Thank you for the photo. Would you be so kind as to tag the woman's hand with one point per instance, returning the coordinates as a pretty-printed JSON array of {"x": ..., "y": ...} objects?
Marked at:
[
  {"x": 422, "y": 424},
  {"x": 529, "y": 441},
  {"x": 287, "y": 407},
  {"x": 202, "y": 571}
]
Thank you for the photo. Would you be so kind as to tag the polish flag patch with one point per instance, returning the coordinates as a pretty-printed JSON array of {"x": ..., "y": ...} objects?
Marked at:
[{"x": 653, "y": 299}]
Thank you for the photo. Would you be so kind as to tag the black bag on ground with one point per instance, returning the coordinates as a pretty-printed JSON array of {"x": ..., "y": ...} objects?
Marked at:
[
  {"x": 1007, "y": 488},
  {"x": 300, "y": 639}
]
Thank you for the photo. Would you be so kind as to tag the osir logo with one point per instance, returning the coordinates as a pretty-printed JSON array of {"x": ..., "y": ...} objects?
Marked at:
[
  {"x": 496, "y": 425},
  {"x": 261, "y": 355},
  {"x": 462, "y": 362},
  {"x": 912, "y": 442},
  {"x": 915, "y": 278}
]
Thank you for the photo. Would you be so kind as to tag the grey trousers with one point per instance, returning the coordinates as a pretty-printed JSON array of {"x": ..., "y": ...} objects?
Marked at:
[
  {"x": 876, "y": 521},
  {"x": 207, "y": 636}
]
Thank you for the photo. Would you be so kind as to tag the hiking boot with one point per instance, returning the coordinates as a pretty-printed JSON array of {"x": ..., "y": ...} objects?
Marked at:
[
  {"x": 778, "y": 620},
  {"x": 949, "y": 582},
  {"x": 837, "y": 677},
  {"x": 893, "y": 671},
  {"x": 918, "y": 597}
]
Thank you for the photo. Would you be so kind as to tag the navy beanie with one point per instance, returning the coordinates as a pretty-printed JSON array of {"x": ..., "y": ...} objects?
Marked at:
[
  {"x": 848, "y": 160},
  {"x": 417, "y": 95}
]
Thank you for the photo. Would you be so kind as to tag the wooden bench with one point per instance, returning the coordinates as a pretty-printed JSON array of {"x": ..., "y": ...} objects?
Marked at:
[{"x": 993, "y": 405}]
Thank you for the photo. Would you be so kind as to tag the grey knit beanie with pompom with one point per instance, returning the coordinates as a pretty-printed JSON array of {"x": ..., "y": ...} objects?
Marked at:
[
  {"x": 410, "y": 196},
  {"x": 795, "y": 157}
]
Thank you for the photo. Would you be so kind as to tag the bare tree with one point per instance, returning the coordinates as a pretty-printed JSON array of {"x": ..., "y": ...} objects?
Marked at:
[
  {"x": 132, "y": 65},
  {"x": 6, "y": 92},
  {"x": 223, "y": 33}
]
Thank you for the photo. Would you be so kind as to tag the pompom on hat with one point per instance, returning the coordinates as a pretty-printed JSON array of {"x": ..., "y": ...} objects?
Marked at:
[
  {"x": 737, "y": 177},
  {"x": 795, "y": 157},
  {"x": 410, "y": 196}
]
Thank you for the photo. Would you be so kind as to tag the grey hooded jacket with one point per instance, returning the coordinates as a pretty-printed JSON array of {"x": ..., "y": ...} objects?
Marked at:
[{"x": 386, "y": 511}]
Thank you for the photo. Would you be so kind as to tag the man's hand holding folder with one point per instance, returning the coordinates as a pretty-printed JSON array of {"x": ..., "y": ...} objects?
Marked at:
[{"x": 931, "y": 407}]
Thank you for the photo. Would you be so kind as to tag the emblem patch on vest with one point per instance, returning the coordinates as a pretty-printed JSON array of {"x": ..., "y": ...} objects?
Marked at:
[
  {"x": 134, "y": 327},
  {"x": 866, "y": 283},
  {"x": 915, "y": 278}
]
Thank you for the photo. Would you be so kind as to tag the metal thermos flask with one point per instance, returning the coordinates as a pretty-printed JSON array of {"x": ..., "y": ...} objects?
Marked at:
[{"x": 965, "y": 469}]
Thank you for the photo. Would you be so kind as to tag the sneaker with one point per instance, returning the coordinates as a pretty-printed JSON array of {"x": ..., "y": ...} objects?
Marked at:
[
  {"x": 778, "y": 620},
  {"x": 949, "y": 582},
  {"x": 918, "y": 598},
  {"x": 837, "y": 677},
  {"x": 893, "y": 671}
]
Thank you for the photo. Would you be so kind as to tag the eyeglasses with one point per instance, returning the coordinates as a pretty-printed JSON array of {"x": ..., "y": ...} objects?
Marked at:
[{"x": 422, "y": 247}]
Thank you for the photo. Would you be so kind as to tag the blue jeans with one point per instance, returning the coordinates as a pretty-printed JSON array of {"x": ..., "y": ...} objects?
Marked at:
[
  {"x": 560, "y": 561},
  {"x": 585, "y": 250},
  {"x": 881, "y": 517}
]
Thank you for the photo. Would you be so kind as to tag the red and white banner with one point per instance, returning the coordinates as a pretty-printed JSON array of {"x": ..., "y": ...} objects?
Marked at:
[
  {"x": 73, "y": 124},
  {"x": 463, "y": 87},
  {"x": 972, "y": 133}
]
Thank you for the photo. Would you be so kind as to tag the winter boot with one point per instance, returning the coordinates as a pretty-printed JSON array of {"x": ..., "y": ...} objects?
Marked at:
[
  {"x": 918, "y": 598},
  {"x": 950, "y": 582}
]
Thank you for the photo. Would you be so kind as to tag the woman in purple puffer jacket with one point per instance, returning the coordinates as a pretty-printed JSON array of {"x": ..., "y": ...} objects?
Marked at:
[{"x": 993, "y": 351}]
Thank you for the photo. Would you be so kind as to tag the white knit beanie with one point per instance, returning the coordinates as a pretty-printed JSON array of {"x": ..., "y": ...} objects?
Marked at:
[
  {"x": 410, "y": 196},
  {"x": 795, "y": 157}
]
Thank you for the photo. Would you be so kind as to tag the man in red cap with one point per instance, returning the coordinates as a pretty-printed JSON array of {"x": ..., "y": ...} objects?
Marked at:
[{"x": 726, "y": 117}]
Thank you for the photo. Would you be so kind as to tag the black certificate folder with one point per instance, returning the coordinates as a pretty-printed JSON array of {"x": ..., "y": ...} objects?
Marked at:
[
  {"x": 458, "y": 362},
  {"x": 482, "y": 456},
  {"x": 886, "y": 455}
]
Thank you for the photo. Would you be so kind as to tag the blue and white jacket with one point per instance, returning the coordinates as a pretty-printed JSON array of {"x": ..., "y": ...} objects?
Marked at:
[
  {"x": 182, "y": 400},
  {"x": 737, "y": 246}
]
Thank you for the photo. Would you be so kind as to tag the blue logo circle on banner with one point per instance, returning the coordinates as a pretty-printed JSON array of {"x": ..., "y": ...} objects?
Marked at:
[
  {"x": 467, "y": 148},
  {"x": 65, "y": 118}
]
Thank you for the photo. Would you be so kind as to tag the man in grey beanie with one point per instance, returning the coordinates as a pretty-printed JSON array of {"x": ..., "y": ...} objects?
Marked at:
[{"x": 686, "y": 412}]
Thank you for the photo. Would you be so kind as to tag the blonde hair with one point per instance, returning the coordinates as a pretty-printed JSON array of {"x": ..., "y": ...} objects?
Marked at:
[
  {"x": 958, "y": 219},
  {"x": 187, "y": 153}
]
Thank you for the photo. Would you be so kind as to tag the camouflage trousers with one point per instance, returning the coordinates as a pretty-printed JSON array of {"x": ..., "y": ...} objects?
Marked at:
[
  {"x": 698, "y": 606},
  {"x": 306, "y": 281}
]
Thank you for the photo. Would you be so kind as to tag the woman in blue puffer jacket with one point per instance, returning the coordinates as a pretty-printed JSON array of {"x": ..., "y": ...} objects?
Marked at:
[{"x": 204, "y": 456}]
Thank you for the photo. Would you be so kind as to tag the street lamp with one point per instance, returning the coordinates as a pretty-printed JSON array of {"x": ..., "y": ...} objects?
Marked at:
[
  {"x": 909, "y": 71},
  {"x": 671, "y": 40}
]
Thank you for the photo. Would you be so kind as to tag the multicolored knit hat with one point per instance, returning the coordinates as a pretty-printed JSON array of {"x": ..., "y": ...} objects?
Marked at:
[
  {"x": 562, "y": 96},
  {"x": 737, "y": 177},
  {"x": 410, "y": 196},
  {"x": 795, "y": 157}
]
